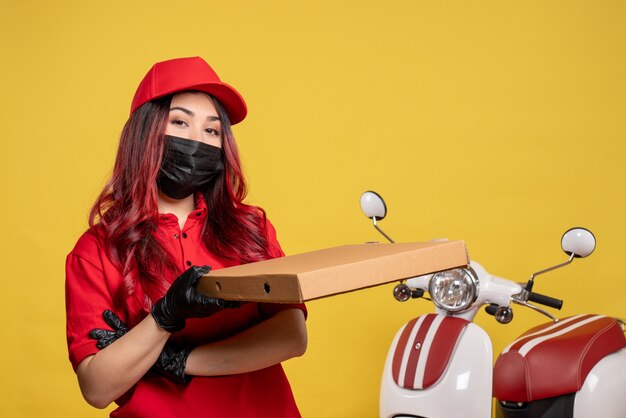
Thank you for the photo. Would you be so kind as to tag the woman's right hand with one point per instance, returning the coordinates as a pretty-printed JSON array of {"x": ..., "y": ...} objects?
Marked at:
[
  {"x": 183, "y": 301},
  {"x": 171, "y": 362}
]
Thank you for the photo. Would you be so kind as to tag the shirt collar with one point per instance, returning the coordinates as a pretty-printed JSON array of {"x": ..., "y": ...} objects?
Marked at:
[{"x": 199, "y": 214}]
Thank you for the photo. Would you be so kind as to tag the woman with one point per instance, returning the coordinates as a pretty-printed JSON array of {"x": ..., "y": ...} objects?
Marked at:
[{"x": 138, "y": 332}]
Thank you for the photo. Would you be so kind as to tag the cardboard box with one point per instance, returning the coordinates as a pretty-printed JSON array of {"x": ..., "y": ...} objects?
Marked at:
[{"x": 318, "y": 274}]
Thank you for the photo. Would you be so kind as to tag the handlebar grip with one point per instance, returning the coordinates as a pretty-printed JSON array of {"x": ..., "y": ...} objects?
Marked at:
[{"x": 545, "y": 300}]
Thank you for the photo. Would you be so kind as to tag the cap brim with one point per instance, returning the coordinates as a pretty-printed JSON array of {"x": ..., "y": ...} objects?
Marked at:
[{"x": 233, "y": 103}]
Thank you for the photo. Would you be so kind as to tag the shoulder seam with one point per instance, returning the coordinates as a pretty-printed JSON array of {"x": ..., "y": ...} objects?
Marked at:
[{"x": 87, "y": 261}]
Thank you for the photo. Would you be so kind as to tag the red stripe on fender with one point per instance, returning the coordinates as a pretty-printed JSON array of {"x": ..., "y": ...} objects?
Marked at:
[
  {"x": 411, "y": 367},
  {"x": 399, "y": 353},
  {"x": 441, "y": 349}
]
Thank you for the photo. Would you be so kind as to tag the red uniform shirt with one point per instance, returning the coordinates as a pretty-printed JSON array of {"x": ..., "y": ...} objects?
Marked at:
[{"x": 91, "y": 283}]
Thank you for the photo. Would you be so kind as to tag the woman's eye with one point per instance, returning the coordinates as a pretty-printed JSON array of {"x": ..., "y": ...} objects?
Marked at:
[
  {"x": 178, "y": 122},
  {"x": 213, "y": 132}
]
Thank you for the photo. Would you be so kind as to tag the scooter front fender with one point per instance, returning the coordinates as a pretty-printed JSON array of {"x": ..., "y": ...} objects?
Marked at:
[{"x": 462, "y": 391}]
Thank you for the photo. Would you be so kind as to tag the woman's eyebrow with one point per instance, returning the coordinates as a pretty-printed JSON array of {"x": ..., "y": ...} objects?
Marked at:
[
  {"x": 187, "y": 111},
  {"x": 192, "y": 114}
]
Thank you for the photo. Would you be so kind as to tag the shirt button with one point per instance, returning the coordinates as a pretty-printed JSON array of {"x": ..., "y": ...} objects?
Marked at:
[
  {"x": 176, "y": 236},
  {"x": 184, "y": 235},
  {"x": 188, "y": 262}
]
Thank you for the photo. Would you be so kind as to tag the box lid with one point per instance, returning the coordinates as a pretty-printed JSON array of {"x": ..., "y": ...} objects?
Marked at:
[{"x": 302, "y": 277}]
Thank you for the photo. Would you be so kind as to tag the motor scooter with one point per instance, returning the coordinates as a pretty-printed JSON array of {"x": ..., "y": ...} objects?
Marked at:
[{"x": 439, "y": 365}]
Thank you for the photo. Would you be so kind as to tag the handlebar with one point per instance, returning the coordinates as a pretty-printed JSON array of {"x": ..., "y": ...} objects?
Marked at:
[{"x": 545, "y": 300}]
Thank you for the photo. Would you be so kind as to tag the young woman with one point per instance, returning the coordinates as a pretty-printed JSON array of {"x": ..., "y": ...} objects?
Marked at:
[{"x": 138, "y": 332}]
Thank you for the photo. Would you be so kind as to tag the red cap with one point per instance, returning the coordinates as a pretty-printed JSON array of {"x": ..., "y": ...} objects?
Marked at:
[{"x": 182, "y": 74}]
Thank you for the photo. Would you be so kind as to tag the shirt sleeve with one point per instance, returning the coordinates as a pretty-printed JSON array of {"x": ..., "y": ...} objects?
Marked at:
[
  {"x": 88, "y": 293},
  {"x": 268, "y": 310}
]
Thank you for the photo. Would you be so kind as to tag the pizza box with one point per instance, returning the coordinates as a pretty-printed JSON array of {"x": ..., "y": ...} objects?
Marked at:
[{"x": 318, "y": 274}]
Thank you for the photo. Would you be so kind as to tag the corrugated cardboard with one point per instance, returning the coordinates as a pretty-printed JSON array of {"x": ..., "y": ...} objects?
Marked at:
[{"x": 317, "y": 274}]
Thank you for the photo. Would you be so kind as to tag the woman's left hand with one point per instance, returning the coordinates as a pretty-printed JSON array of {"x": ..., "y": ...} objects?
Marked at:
[{"x": 182, "y": 301}]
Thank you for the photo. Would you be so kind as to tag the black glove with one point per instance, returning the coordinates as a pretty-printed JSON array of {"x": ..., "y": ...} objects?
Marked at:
[
  {"x": 104, "y": 336},
  {"x": 171, "y": 362},
  {"x": 182, "y": 301}
]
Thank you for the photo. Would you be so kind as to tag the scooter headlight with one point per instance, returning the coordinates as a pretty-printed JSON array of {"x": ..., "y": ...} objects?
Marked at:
[{"x": 454, "y": 290}]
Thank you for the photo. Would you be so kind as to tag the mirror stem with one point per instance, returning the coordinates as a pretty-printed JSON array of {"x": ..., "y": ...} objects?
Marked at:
[
  {"x": 381, "y": 231},
  {"x": 531, "y": 282}
]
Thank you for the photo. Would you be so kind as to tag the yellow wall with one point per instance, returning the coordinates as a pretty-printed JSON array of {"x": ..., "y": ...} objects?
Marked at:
[{"x": 498, "y": 122}]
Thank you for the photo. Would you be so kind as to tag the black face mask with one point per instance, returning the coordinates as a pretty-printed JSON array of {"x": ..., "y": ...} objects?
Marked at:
[{"x": 188, "y": 166}]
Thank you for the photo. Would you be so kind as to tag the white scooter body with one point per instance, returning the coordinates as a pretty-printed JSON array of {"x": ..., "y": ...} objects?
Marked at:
[{"x": 602, "y": 394}]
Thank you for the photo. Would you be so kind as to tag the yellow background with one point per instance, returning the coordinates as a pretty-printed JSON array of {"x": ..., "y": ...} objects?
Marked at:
[{"x": 498, "y": 122}]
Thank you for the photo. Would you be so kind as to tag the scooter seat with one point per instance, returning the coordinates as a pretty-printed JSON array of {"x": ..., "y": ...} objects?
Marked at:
[{"x": 555, "y": 358}]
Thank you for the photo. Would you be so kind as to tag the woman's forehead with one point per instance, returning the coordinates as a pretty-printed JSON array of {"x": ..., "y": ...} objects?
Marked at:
[
  {"x": 198, "y": 102},
  {"x": 191, "y": 96}
]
